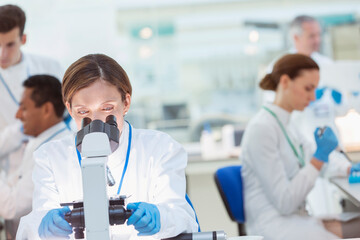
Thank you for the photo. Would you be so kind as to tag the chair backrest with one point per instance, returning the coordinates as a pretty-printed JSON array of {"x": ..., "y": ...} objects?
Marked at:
[{"x": 229, "y": 183}]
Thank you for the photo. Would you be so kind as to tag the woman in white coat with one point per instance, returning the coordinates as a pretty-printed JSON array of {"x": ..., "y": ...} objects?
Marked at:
[
  {"x": 279, "y": 166},
  {"x": 96, "y": 86}
]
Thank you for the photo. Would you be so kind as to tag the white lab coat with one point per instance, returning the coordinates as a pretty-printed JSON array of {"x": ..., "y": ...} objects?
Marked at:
[
  {"x": 11, "y": 139},
  {"x": 155, "y": 174},
  {"x": 275, "y": 188},
  {"x": 16, "y": 190},
  {"x": 321, "y": 112},
  {"x": 11, "y": 135},
  {"x": 15, "y": 75}
]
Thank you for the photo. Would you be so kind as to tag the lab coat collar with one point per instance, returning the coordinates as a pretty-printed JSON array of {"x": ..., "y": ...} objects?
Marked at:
[
  {"x": 124, "y": 134},
  {"x": 282, "y": 114},
  {"x": 39, "y": 140},
  {"x": 51, "y": 130},
  {"x": 120, "y": 153}
]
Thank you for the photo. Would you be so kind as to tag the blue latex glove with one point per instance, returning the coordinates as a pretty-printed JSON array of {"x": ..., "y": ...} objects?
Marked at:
[
  {"x": 326, "y": 143},
  {"x": 145, "y": 218},
  {"x": 336, "y": 95},
  {"x": 355, "y": 168},
  {"x": 54, "y": 224}
]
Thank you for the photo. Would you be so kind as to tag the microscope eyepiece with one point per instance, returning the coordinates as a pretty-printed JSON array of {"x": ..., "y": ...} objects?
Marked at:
[
  {"x": 111, "y": 120},
  {"x": 85, "y": 121},
  {"x": 109, "y": 127}
]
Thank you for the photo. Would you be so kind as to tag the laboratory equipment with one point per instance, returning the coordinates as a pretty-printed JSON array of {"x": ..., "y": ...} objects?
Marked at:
[
  {"x": 354, "y": 177},
  {"x": 95, "y": 141},
  {"x": 321, "y": 131},
  {"x": 117, "y": 214}
]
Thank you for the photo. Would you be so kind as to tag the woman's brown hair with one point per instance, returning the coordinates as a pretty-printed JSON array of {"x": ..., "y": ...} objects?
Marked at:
[
  {"x": 90, "y": 69},
  {"x": 291, "y": 65}
]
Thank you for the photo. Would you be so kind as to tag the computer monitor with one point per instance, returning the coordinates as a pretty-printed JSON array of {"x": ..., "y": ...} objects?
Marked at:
[
  {"x": 341, "y": 75},
  {"x": 175, "y": 111}
]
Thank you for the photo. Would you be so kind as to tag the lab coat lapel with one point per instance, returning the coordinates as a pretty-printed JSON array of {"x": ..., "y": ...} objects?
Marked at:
[
  {"x": 283, "y": 115},
  {"x": 118, "y": 157}
]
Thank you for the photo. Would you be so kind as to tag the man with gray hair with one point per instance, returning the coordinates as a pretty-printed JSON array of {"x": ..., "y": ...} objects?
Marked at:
[{"x": 305, "y": 32}]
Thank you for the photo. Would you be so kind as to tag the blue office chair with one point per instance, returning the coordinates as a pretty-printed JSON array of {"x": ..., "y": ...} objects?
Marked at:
[{"x": 229, "y": 183}]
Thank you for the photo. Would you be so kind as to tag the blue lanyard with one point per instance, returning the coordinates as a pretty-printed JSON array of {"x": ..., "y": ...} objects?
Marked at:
[
  {"x": 52, "y": 136},
  {"x": 126, "y": 160},
  {"x": 298, "y": 156},
  {"x": 9, "y": 90}
]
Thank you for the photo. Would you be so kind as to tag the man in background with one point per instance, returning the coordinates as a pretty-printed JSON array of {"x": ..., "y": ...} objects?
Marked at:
[
  {"x": 15, "y": 67},
  {"x": 305, "y": 32},
  {"x": 41, "y": 114}
]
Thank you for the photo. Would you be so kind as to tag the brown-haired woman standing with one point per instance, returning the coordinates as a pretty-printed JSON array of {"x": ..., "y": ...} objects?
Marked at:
[
  {"x": 149, "y": 164},
  {"x": 279, "y": 168}
]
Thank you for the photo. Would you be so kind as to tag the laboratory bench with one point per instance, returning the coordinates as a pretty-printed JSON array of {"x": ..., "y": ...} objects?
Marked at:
[{"x": 352, "y": 191}]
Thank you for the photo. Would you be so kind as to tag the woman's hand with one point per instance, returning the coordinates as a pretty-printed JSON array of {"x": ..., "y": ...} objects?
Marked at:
[
  {"x": 54, "y": 224},
  {"x": 145, "y": 218},
  {"x": 326, "y": 142}
]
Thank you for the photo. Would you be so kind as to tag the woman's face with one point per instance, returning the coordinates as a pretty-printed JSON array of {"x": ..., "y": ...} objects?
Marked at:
[
  {"x": 301, "y": 90},
  {"x": 98, "y": 101}
]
